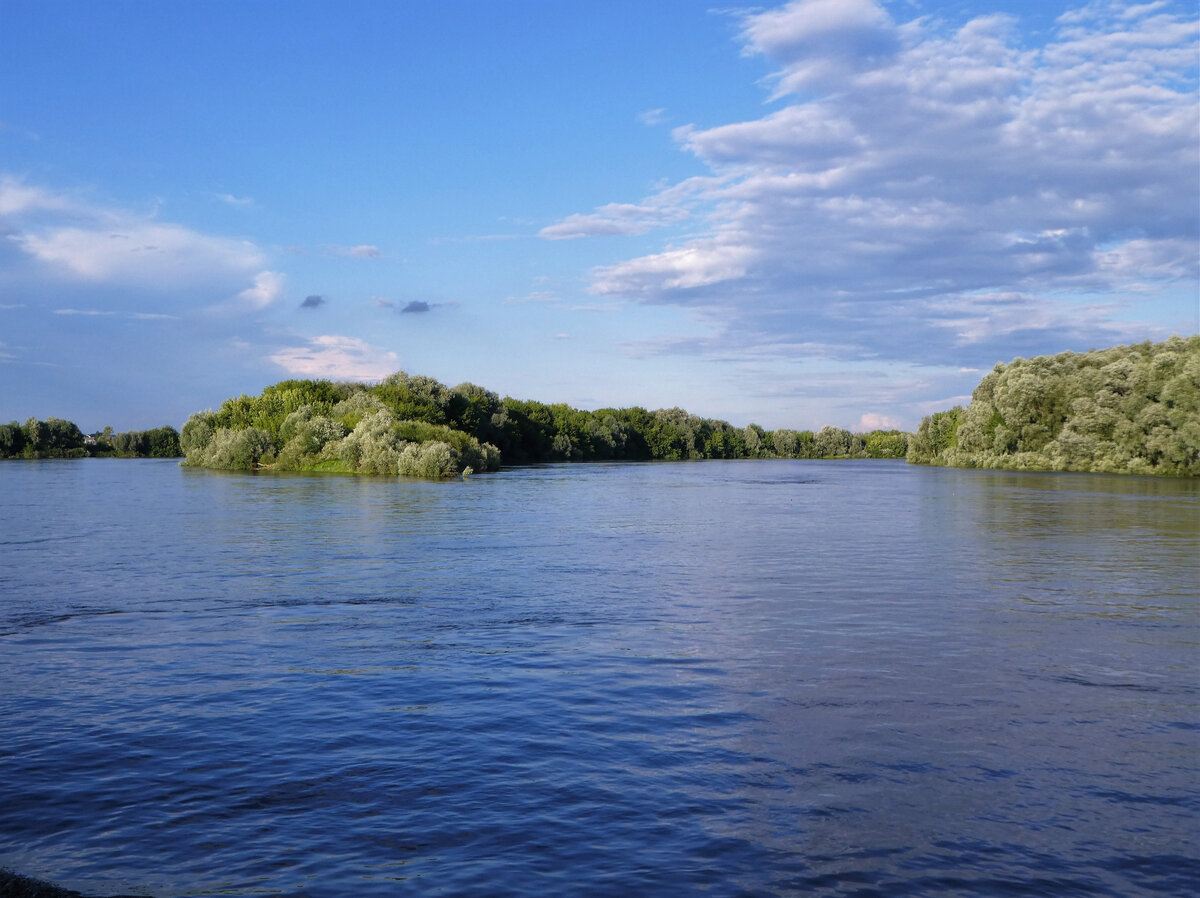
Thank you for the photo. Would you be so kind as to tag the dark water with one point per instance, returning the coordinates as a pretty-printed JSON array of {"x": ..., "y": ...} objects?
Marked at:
[{"x": 742, "y": 678}]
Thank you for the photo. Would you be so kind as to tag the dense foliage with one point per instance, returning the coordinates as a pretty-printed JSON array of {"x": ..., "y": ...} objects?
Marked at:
[
  {"x": 1130, "y": 409},
  {"x": 56, "y": 438},
  {"x": 418, "y": 426}
]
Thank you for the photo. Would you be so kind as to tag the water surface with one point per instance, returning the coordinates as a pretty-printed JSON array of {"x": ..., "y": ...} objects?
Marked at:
[{"x": 719, "y": 678}]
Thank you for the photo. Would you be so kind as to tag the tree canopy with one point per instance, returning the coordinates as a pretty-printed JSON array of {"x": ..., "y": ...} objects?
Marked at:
[
  {"x": 56, "y": 438},
  {"x": 1129, "y": 409},
  {"x": 415, "y": 425}
]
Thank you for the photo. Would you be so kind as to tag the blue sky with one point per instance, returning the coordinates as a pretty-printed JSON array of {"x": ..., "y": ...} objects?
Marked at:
[{"x": 820, "y": 212}]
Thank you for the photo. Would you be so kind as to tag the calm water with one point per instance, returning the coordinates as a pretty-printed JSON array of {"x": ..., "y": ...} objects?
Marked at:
[{"x": 720, "y": 678}]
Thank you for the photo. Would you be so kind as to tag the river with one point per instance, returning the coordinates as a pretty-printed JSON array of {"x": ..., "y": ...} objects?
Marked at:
[{"x": 850, "y": 678}]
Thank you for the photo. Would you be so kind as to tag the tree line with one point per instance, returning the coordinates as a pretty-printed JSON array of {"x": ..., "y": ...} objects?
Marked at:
[
  {"x": 1130, "y": 409},
  {"x": 415, "y": 425},
  {"x": 57, "y": 438}
]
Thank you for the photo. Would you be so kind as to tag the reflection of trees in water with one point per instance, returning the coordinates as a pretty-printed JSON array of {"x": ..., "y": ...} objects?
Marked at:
[{"x": 1131, "y": 544}]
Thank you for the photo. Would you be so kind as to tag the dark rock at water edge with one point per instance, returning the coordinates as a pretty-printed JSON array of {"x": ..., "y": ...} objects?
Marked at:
[{"x": 14, "y": 885}]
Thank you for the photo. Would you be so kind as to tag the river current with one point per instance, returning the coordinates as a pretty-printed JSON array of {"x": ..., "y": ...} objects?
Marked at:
[{"x": 719, "y": 678}]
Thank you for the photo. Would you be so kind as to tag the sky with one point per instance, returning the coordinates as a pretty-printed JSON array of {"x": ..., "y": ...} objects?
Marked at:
[{"x": 822, "y": 212}]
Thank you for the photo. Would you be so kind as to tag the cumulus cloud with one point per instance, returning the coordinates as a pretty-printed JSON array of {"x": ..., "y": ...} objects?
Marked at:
[
  {"x": 312, "y": 302},
  {"x": 61, "y": 237},
  {"x": 416, "y": 307},
  {"x": 934, "y": 192},
  {"x": 133, "y": 251},
  {"x": 873, "y": 421},
  {"x": 337, "y": 357},
  {"x": 822, "y": 41},
  {"x": 268, "y": 286}
]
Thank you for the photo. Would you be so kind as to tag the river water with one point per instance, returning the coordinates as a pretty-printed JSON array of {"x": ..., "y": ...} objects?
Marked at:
[{"x": 720, "y": 678}]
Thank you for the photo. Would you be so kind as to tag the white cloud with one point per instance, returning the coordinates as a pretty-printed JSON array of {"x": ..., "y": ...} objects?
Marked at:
[
  {"x": 58, "y": 236},
  {"x": 111, "y": 313},
  {"x": 230, "y": 200},
  {"x": 538, "y": 296},
  {"x": 614, "y": 220},
  {"x": 17, "y": 198},
  {"x": 268, "y": 287},
  {"x": 873, "y": 421},
  {"x": 822, "y": 40},
  {"x": 135, "y": 252},
  {"x": 931, "y": 191},
  {"x": 700, "y": 264},
  {"x": 337, "y": 358},
  {"x": 362, "y": 251}
]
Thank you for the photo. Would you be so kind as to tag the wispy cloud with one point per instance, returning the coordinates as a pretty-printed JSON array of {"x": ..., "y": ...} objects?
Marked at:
[
  {"x": 361, "y": 251},
  {"x": 474, "y": 238},
  {"x": 230, "y": 200},
  {"x": 537, "y": 296},
  {"x": 929, "y": 192},
  {"x": 615, "y": 220},
  {"x": 112, "y": 313},
  {"x": 338, "y": 358}
]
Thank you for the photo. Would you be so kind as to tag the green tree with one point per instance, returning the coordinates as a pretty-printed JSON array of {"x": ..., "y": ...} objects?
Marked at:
[
  {"x": 936, "y": 436},
  {"x": 12, "y": 440}
]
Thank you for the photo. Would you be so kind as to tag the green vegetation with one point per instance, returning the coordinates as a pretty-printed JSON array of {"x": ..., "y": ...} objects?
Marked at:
[
  {"x": 414, "y": 425},
  {"x": 1129, "y": 410},
  {"x": 56, "y": 438}
]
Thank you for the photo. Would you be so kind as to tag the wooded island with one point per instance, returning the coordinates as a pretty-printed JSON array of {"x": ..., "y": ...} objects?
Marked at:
[{"x": 415, "y": 425}]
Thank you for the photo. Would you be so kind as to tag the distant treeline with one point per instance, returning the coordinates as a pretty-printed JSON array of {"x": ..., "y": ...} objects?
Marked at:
[
  {"x": 1128, "y": 410},
  {"x": 56, "y": 438},
  {"x": 415, "y": 425}
]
